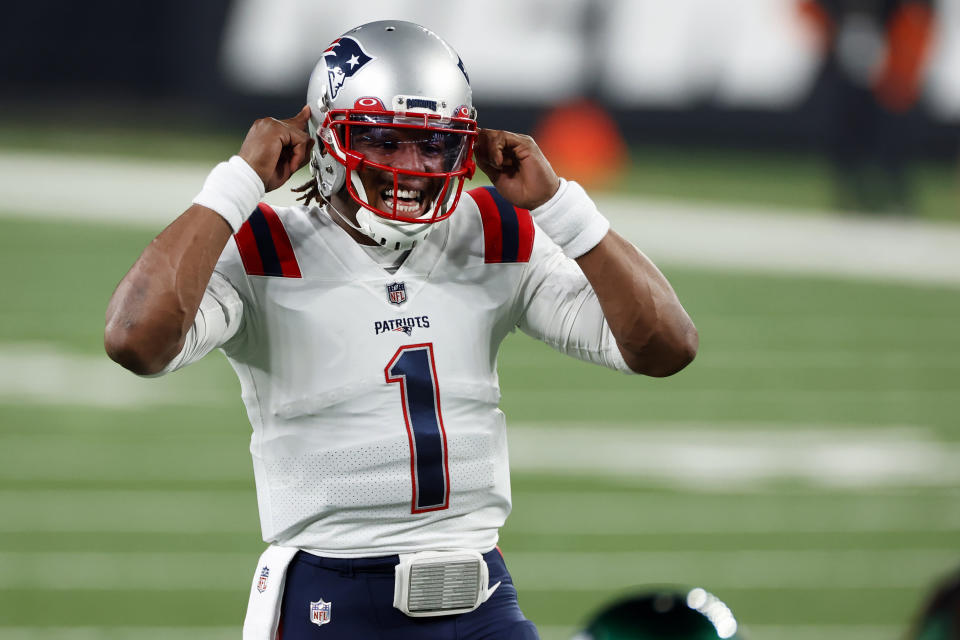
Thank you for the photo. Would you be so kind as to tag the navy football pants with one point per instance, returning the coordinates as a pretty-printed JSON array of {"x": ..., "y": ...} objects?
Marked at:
[{"x": 360, "y": 593}]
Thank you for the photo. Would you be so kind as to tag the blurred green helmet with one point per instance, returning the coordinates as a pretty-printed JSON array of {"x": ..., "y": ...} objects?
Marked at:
[
  {"x": 939, "y": 617},
  {"x": 664, "y": 614}
]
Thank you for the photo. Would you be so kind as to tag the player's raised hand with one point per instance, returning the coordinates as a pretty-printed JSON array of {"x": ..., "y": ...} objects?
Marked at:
[
  {"x": 516, "y": 167},
  {"x": 276, "y": 149}
]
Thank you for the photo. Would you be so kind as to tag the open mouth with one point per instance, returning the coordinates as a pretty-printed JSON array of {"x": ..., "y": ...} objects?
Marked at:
[{"x": 409, "y": 202}]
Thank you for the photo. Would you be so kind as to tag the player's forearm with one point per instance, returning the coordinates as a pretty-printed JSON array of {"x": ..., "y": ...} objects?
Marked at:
[
  {"x": 154, "y": 305},
  {"x": 652, "y": 330},
  {"x": 651, "y": 327}
]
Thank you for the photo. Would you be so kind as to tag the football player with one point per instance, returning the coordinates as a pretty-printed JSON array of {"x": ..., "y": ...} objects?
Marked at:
[
  {"x": 364, "y": 327},
  {"x": 939, "y": 616},
  {"x": 664, "y": 613}
]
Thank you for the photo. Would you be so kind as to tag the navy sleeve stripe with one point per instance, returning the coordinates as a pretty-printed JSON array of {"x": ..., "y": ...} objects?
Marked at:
[
  {"x": 268, "y": 253},
  {"x": 509, "y": 226}
]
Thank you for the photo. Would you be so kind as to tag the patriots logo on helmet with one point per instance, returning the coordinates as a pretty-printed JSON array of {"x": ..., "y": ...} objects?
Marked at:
[{"x": 343, "y": 59}]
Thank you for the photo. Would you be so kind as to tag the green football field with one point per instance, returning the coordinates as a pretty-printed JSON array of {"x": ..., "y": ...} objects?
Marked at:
[
  {"x": 805, "y": 468},
  {"x": 767, "y": 178}
]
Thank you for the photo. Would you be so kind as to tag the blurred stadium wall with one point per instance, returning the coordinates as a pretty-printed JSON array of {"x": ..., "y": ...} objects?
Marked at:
[{"x": 739, "y": 72}]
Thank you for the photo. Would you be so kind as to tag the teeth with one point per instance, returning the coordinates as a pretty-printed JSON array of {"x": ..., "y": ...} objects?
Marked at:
[
  {"x": 407, "y": 201},
  {"x": 407, "y": 208},
  {"x": 403, "y": 193}
]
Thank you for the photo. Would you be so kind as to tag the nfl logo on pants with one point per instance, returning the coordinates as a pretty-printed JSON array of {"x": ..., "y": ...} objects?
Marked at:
[
  {"x": 397, "y": 292},
  {"x": 320, "y": 612}
]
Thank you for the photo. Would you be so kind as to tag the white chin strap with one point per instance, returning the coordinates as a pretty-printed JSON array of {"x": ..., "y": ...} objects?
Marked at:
[{"x": 392, "y": 234}]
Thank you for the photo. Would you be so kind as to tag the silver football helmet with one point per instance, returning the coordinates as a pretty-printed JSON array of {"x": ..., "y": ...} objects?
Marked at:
[{"x": 391, "y": 104}]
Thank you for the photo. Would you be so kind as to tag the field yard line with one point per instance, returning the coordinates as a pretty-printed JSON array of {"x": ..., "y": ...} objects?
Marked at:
[
  {"x": 151, "y": 193},
  {"x": 568, "y": 571},
  {"x": 772, "y": 240},
  {"x": 36, "y": 373},
  {"x": 694, "y": 458}
]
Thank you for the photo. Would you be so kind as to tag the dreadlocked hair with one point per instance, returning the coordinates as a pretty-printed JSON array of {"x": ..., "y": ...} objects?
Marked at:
[{"x": 309, "y": 192}]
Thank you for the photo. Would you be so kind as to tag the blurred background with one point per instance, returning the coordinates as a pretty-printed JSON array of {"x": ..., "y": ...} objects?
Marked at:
[{"x": 790, "y": 164}]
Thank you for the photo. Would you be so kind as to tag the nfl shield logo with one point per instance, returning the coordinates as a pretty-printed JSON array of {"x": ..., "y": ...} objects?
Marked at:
[
  {"x": 320, "y": 612},
  {"x": 262, "y": 581},
  {"x": 397, "y": 293}
]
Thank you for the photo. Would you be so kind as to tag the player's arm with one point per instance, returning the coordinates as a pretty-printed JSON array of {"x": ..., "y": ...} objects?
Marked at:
[
  {"x": 154, "y": 306},
  {"x": 652, "y": 330}
]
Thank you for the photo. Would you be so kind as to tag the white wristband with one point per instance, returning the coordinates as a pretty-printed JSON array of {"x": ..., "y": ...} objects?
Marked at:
[
  {"x": 233, "y": 189},
  {"x": 571, "y": 219}
]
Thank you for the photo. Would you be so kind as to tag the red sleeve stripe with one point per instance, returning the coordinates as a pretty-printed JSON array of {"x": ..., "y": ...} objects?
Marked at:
[
  {"x": 265, "y": 246},
  {"x": 249, "y": 253},
  {"x": 507, "y": 230},
  {"x": 490, "y": 217}
]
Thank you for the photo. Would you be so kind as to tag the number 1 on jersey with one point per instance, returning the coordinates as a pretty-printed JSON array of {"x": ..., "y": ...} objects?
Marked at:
[{"x": 413, "y": 367}]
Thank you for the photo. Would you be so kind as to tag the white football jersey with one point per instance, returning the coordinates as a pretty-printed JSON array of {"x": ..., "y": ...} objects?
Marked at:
[{"x": 374, "y": 397}]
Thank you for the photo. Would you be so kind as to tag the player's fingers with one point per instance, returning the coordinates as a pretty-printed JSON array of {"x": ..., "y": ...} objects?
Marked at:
[
  {"x": 491, "y": 147},
  {"x": 518, "y": 143},
  {"x": 286, "y": 143},
  {"x": 293, "y": 134},
  {"x": 293, "y": 130},
  {"x": 299, "y": 156},
  {"x": 496, "y": 155},
  {"x": 299, "y": 137},
  {"x": 300, "y": 120},
  {"x": 484, "y": 164}
]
